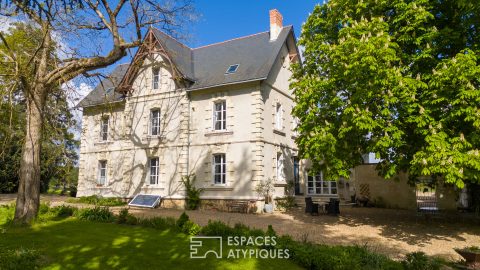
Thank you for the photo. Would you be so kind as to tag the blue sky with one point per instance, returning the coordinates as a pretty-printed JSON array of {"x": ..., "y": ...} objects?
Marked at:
[{"x": 223, "y": 20}]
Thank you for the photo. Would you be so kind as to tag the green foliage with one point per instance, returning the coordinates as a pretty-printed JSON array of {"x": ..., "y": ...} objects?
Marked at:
[
  {"x": 182, "y": 220},
  {"x": 191, "y": 228},
  {"x": 285, "y": 203},
  {"x": 63, "y": 211},
  {"x": 159, "y": 223},
  {"x": 7, "y": 212},
  {"x": 19, "y": 259},
  {"x": 400, "y": 79},
  {"x": 312, "y": 256},
  {"x": 58, "y": 151},
  {"x": 265, "y": 189},
  {"x": 420, "y": 261},
  {"x": 97, "y": 200},
  {"x": 193, "y": 193},
  {"x": 75, "y": 244},
  {"x": 218, "y": 228},
  {"x": 124, "y": 217},
  {"x": 99, "y": 214}
]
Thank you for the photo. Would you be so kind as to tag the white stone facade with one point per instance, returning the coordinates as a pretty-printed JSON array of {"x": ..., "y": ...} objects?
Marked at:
[{"x": 251, "y": 143}]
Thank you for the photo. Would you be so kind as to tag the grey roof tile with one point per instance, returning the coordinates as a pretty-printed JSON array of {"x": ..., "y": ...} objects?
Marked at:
[
  {"x": 255, "y": 55},
  {"x": 105, "y": 90},
  {"x": 206, "y": 66}
]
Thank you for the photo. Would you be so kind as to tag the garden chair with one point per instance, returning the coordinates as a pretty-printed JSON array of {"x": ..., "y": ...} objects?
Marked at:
[
  {"x": 311, "y": 207},
  {"x": 333, "y": 207}
]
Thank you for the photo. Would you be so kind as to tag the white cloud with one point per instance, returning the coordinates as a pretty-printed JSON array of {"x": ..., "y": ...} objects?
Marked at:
[{"x": 6, "y": 22}]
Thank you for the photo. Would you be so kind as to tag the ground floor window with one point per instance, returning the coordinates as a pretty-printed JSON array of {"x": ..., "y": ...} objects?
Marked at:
[
  {"x": 154, "y": 171},
  {"x": 219, "y": 169},
  {"x": 102, "y": 172},
  {"x": 316, "y": 185},
  {"x": 280, "y": 167}
]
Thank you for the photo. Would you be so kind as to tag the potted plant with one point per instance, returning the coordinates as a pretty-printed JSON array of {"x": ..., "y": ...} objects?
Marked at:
[
  {"x": 265, "y": 189},
  {"x": 471, "y": 255}
]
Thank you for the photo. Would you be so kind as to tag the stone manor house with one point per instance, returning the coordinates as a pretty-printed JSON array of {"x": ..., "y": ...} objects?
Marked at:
[{"x": 221, "y": 111}]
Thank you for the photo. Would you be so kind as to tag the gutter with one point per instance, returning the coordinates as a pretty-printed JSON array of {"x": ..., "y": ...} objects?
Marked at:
[{"x": 224, "y": 84}]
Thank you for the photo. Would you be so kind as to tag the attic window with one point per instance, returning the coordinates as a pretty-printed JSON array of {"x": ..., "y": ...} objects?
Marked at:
[
  {"x": 109, "y": 90},
  {"x": 232, "y": 69}
]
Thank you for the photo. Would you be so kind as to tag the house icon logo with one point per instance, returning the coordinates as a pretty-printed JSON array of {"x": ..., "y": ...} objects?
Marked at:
[{"x": 202, "y": 246}]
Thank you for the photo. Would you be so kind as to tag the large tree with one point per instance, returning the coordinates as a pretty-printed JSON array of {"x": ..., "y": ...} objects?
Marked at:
[
  {"x": 398, "y": 78},
  {"x": 58, "y": 152},
  {"x": 93, "y": 34}
]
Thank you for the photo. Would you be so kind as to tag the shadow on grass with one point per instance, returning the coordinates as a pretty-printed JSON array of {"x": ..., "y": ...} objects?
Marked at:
[{"x": 74, "y": 244}]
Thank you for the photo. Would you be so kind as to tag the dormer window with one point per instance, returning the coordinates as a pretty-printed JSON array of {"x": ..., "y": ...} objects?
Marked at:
[
  {"x": 156, "y": 78},
  {"x": 232, "y": 69}
]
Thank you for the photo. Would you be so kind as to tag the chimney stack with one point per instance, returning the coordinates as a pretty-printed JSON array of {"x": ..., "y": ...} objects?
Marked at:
[{"x": 276, "y": 24}]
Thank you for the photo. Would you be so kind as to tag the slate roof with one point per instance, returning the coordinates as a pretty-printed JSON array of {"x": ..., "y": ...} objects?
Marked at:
[
  {"x": 206, "y": 66},
  {"x": 104, "y": 92}
]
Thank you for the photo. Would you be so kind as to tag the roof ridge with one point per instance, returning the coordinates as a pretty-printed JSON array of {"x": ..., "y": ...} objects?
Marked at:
[
  {"x": 228, "y": 40},
  {"x": 181, "y": 43}
]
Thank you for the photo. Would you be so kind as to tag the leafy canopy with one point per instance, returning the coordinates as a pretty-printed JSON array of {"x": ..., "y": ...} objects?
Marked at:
[
  {"x": 397, "y": 78},
  {"x": 59, "y": 147}
]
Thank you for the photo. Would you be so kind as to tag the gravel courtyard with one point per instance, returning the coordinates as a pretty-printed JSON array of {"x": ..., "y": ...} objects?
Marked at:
[{"x": 387, "y": 231}]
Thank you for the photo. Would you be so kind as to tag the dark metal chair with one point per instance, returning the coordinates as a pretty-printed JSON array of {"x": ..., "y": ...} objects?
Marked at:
[
  {"x": 311, "y": 207},
  {"x": 333, "y": 207}
]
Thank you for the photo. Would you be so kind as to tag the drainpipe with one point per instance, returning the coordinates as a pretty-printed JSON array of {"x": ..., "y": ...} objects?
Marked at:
[{"x": 188, "y": 134}]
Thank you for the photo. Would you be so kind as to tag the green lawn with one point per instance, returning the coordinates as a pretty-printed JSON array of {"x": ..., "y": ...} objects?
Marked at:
[{"x": 76, "y": 244}]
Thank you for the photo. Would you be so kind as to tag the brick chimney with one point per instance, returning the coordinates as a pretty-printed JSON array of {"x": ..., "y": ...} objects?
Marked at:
[{"x": 276, "y": 24}]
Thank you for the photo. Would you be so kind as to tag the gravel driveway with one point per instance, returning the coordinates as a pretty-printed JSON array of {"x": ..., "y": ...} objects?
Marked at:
[{"x": 388, "y": 231}]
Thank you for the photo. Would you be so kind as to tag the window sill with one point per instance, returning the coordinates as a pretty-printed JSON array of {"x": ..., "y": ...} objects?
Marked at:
[
  {"x": 154, "y": 137},
  {"x": 279, "y": 132},
  {"x": 280, "y": 184},
  {"x": 152, "y": 187},
  {"x": 218, "y": 133},
  {"x": 218, "y": 188},
  {"x": 102, "y": 187},
  {"x": 103, "y": 143}
]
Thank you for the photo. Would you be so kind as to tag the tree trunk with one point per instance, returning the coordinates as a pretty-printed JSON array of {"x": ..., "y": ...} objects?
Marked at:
[{"x": 28, "y": 198}]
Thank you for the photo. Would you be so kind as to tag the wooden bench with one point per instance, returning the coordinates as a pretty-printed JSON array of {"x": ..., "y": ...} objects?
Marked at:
[{"x": 238, "y": 206}]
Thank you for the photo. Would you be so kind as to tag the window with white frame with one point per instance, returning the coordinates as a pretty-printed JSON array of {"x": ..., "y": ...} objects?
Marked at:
[
  {"x": 155, "y": 122},
  {"x": 316, "y": 185},
  {"x": 102, "y": 173},
  {"x": 295, "y": 123},
  {"x": 278, "y": 117},
  {"x": 104, "y": 129},
  {"x": 220, "y": 115},
  {"x": 280, "y": 167},
  {"x": 155, "y": 78},
  {"x": 154, "y": 171},
  {"x": 219, "y": 169}
]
